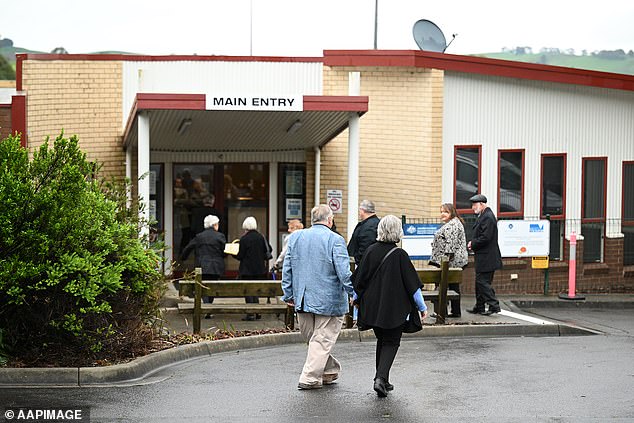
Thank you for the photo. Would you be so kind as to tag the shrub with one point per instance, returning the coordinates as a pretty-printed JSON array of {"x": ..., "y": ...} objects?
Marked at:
[{"x": 76, "y": 282}]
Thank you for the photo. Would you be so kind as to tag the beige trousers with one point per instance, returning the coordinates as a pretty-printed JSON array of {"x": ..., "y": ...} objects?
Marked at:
[{"x": 321, "y": 333}]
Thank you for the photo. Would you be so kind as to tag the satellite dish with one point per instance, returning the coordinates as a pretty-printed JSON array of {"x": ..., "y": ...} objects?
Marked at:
[{"x": 429, "y": 37}]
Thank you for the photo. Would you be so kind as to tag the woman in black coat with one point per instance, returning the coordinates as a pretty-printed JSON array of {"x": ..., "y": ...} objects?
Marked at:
[
  {"x": 253, "y": 254},
  {"x": 389, "y": 298}
]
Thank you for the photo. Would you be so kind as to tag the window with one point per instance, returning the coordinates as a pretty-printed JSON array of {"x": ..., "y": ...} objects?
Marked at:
[
  {"x": 511, "y": 183},
  {"x": 467, "y": 175},
  {"x": 553, "y": 200},
  {"x": 627, "y": 220},
  {"x": 593, "y": 204}
]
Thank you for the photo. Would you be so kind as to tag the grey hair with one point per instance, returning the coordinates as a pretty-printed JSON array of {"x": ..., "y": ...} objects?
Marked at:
[
  {"x": 390, "y": 229},
  {"x": 320, "y": 213},
  {"x": 210, "y": 220},
  {"x": 368, "y": 206},
  {"x": 250, "y": 224}
]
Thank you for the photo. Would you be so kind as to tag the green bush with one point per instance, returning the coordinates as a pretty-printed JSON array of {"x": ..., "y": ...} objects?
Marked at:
[{"x": 76, "y": 282}]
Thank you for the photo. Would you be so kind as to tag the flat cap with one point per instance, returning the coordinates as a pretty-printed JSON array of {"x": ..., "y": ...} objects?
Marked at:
[{"x": 478, "y": 198}]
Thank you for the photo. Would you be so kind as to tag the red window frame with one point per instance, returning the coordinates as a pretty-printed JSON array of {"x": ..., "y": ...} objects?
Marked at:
[
  {"x": 625, "y": 222},
  {"x": 455, "y": 171},
  {"x": 519, "y": 213},
  {"x": 541, "y": 186},
  {"x": 583, "y": 189}
]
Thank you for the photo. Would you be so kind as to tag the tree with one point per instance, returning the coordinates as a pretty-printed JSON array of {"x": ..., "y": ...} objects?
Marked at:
[
  {"x": 6, "y": 71},
  {"x": 75, "y": 279}
]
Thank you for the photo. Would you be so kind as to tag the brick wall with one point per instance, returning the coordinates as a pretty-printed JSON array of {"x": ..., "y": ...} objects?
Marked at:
[
  {"x": 5, "y": 122},
  {"x": 82, "y": 98},
  {"x": 400, "y": 141},
  {"x": 591, "y": 278}
]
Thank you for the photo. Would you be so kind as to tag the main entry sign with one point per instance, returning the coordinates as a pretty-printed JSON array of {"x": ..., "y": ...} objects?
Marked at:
[
  {"x": 283, "y": 103},
  {"x": 524, "y": 238}
]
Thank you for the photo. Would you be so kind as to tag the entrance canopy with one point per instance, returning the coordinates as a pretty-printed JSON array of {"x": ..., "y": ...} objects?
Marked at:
[{"x": 183, "y": 122}]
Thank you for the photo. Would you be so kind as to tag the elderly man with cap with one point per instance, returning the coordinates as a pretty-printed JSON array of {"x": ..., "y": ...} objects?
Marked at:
[
  {"x": 364, "y": 233},
  {"x": 488, "y": 259}
]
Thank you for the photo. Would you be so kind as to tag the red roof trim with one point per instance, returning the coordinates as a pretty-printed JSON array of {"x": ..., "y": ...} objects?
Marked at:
[
  {"x": 170, "y": 101},
  {"x": 478, "y": 65},
  {"x": 317, "y": 103},
  {"x": 170, "y": 58},
  {"x": 18, "y": 72}
]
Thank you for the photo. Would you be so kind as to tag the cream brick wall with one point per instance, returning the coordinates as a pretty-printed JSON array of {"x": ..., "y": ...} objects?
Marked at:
[
  {"x": 82, "y": 98},
  {"x": 401, "y": 141}
]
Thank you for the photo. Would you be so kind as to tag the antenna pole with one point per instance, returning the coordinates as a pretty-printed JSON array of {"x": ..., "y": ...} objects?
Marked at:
[
  {"x": 453, "y": 38},
  {"x": 376, "y": 19}
]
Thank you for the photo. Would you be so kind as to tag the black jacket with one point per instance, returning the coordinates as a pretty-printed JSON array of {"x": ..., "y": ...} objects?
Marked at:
[
  {"x": 209, "y": 246},
  {"x": 363, "y": 236},
  {"x": 252, "y": 254},
  {"x": 485, "y": 243},
  {"x": 386, "y": 300}
]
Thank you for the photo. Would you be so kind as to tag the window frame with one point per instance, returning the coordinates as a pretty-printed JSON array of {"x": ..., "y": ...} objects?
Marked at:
[
  {"x": 558, "y": 217},
  {"x": 519, "y": 213},
  {"x": 455, "y": 172},
  {"x": 625, "y": 222},
  {"x": 601, "y": 220}
]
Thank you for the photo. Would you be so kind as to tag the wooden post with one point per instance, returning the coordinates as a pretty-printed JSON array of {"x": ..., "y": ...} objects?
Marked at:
[
  {"x": 197, "y": 299},
  {"x": 441, "y": 313}
]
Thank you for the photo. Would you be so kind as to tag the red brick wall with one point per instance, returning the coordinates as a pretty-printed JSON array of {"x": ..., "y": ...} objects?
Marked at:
[
  {"x": 5, "y": 121},
  {"x": 591, "y": 278}
]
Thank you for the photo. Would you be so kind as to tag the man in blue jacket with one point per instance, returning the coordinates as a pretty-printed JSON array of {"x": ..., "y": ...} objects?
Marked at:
[
  {"x": 316, "y": 281},
  {"x": 488, "y": 259}
]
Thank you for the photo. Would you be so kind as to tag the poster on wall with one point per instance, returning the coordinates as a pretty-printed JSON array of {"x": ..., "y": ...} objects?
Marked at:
[
  {"x": 524, "y": 238},
  {"x": 153, "y": 180},
  {"x": 294, "y": 185},
  {"x": 293, "y": 208}
]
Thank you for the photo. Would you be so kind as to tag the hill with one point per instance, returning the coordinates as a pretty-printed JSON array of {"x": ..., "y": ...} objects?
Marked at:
[{"x": 615, "y": 61}]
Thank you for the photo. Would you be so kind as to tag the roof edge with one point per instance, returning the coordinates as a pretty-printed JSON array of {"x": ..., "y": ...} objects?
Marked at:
[{"x": 478, "y": 65}]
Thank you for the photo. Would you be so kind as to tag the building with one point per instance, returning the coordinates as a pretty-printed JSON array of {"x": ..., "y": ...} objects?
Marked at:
[{"x": 272, "y": 136}]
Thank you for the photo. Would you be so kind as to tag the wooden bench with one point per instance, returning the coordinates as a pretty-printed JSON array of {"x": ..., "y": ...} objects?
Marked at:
[
  {"x": 232, "y": 289},
  {"x": 442, "y": 277}
]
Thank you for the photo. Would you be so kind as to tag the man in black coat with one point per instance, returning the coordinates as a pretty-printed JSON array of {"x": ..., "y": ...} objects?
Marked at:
[
  {"x": 209, "y": 247},
  {"x": 364, "y": 233},
  {"x": 487, "y": 256}
]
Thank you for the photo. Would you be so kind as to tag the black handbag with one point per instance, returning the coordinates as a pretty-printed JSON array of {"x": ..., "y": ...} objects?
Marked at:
[{"x": 413, "y": 323}]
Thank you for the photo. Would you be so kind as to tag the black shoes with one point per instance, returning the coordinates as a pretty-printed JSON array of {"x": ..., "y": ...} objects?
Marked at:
[
  {"x": 389, "y": 386},
  {"x": 252, "y": 317},
  {"x": 454, "y": 315},
  {"x": 380, "y": 386},
  {"x": 488, "y": 312}
]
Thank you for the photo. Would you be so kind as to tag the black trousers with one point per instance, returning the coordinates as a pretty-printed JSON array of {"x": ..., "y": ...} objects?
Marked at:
[
  {"x": 455, "y": 304},
  {"x": 249, "y": 299},
  {"x": 485, "y": 294},
  {"x": 387, "y": 343},
  {"x": 209, "y": 277}
]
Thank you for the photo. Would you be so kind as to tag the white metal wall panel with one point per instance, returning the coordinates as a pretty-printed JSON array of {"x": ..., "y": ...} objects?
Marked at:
[
  {"x": 540, "y": 117},
  {"x": 233, "y": 78}
]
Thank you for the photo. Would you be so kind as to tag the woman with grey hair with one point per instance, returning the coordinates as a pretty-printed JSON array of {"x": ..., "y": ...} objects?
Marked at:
[
  {"x": 253, "y": 255},
  {"x": 209, "y": 247},
  {"x": 389, "y": 298}
]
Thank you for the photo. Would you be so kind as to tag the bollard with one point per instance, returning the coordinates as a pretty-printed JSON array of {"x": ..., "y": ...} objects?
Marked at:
[{"x": 572, "y": 272}]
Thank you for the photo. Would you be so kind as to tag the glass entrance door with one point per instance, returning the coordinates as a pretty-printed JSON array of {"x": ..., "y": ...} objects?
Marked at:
[{"x": 231, "y": 191}]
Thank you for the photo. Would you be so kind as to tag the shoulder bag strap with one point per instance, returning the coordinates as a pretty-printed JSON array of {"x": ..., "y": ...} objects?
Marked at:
[{"x": 379, "y": 267}]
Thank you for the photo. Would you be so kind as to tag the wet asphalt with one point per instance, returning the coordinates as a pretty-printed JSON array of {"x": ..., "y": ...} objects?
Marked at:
[{"x": 563, "y": 378}]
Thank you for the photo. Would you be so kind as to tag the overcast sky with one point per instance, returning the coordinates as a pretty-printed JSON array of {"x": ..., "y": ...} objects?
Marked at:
[{"x": 307, "y": 27}]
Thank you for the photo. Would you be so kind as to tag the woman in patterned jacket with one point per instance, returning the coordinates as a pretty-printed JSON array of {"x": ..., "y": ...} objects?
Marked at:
[{"x": 450, "y": 241}]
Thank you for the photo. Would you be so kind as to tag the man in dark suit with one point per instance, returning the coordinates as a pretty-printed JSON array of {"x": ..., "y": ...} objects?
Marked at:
[
  {"x": 487, "y": 256},
  {"x": 364, "y": 233}
]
